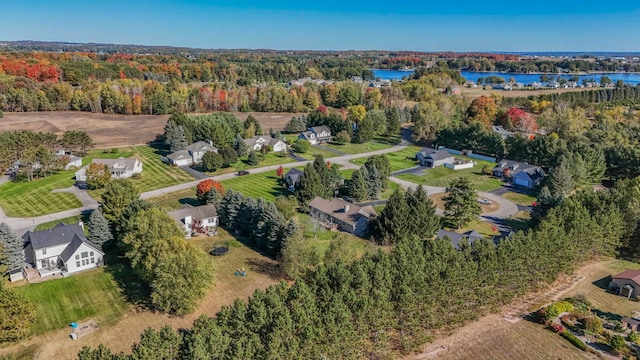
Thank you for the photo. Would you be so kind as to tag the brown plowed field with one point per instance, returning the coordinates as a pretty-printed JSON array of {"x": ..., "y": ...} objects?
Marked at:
[{"x": 115, "y": 130}]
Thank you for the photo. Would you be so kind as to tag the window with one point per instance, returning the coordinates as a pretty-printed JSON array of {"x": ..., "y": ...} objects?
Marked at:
[
  {"x": 91, "y": 253},
  {"x": 93, "y": 260},
  {"x": 77, "y": 263},
  {"x": 77, "y": 257},
  {"x": 44, "y": 251},
  {"x": 85, "y": 255}
]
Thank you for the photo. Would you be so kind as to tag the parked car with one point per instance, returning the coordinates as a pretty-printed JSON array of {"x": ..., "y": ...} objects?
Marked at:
[
  {"x": 484, "y": 201},
  {"x": 243, "y": 172}
]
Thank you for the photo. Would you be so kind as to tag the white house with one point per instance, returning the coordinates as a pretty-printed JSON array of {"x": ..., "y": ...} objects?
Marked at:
[
  {"x": 120, "y": 168},
  {"x": 71, "y": 161},
  {"x": 61, "y": 249},
  {"x": 204, "y": 216},
  {"x": 258, "y": 142},
  {"x": 191, "y": 155},
  {"x": 316, "y": 134}
]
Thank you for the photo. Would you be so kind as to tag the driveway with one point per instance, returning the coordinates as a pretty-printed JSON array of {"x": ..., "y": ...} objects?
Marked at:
[
  {"x": 193, "y": 172},
  {"x": 418, "y": 170}
]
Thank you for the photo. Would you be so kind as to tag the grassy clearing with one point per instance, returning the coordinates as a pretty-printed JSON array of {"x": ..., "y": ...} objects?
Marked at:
[
  {"x": 442, "y": 177},
  {"x": 176, "y": 200},
  {"x": 520, "y": 221},
  {"x": 92, "y": 294},
  {"x": 321, "y": 238},
  {"x": 595, "y": 282},
  {"x": 519, "y": 198},
  {"x": 314, "y": 152},
  {"x": 398, "y": 159},
  {"x": 267, "y": 160},
  {"x": 262, "y": 185},
  {"x": 69, "y": 220},
  {"x": 358, "y": 148}
]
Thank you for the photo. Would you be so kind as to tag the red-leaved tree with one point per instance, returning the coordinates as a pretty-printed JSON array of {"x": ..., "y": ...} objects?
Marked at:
[
  {"x": 280, "y": 171},
  {"x": 521, "y": 120},
  {"x": 206, "y": 188}
]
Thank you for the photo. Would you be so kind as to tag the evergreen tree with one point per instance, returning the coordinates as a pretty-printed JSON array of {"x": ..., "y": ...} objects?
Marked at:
[
  {"x": 393, "y": 222},
  {"x": 365, "y": 131},
  {"x": 374, "y": 182},
  {"x": 461, "y": 202},
  {"x": 11, "y": 255},
  {"x": 230, "y": 208},
  {"x": 309, "y": 186},
  {"x": 240, "y": 147},
  {"x": 229, "y": 156},
  {"x": 170, "y": 132},
  {"x": 393, "y": 121},
  {"x": 99, "y": 231},
  {"x": 383, "y": 166},
  {"x": 544, "y": 202},
  {"x": 253, "y": 159},
  {"x": 561, "y": 182},
  {"x": 296, "y": 125},
  {"x": 178, "y": 140},
  {"x": 212, "y": 161},
  {"x": 425, "y": 222},
  {"x": 252, "y": 122},
  {"x": 358, "y": 186}
]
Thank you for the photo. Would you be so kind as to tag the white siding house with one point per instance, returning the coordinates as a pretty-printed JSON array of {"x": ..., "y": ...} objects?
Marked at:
[
  {"x": 61, "y": 249},
  {"x": 120, "y": 168},
  {"x": 206, "y": 215},
  {"x": 258, "y": 142},
  {"x": 316, "y": 134},
  {"x": 191, "y": 155}
]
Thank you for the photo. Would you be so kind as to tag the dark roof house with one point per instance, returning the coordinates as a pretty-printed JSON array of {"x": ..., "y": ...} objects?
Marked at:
[
  {"x": 522, "y": 174},
  {"x": 346, "y": 216},
  {"x": 457, "y": 238},
  {"x": 291, "y": 178}
]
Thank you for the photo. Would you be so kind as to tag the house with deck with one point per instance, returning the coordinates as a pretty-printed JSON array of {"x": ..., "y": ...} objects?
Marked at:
[
  {"x": 317, "y": 134},
  {"x": 61, "y": 249},
  {"x": 192, "y": 154},
  {"x": 520, "y": 174},
  {"x": 338, "y": 214},
  {"x": 258, "y": 142},
  {"x": 196, "y": 220},
  {"x": 120, "y": 168}
]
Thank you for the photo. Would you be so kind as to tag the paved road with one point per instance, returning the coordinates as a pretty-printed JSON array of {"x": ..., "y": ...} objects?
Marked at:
[
  {"x": 418, "y": 170},
  {"x": 193, "y": 172},
  {"x": 21, "y": 225}
]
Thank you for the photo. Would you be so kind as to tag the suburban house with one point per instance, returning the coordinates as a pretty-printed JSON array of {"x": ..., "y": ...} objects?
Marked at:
[
  {"x": 343, "y": 215},
  {"x": 316, "y": 134},
  {"x": 521, "y": 174},
  {"x": 191, "y": 155},
  {"x": 504, "y": 134},
  {"x": 120, "y": 168},
  {"x": 626, "y": 283},
  {"x": 291, "y": 178},
  {"x": 433, "y": 158},
  {"x": 71, "y": 161},
  {"x": 196, "y": 219},
  {"x": 456, "y": 238},
  {"x": 61, "y": 249},
  {"x": 258, "y": 142}
]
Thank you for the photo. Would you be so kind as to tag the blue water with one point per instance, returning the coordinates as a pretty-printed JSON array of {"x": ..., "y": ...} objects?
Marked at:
[{"x": 632, "y": 79}]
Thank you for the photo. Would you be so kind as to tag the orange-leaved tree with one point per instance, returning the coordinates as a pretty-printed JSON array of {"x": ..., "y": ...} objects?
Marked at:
[{"x": 209, "y": 191}]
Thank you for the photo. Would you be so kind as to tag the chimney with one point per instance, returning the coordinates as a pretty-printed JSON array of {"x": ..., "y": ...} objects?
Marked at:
[
  {"x": 210, "y": 143},
  {"x": 187, "y": 220},
  {"x": 81, "y": 224},
  {"x": 346, "y": 208}
]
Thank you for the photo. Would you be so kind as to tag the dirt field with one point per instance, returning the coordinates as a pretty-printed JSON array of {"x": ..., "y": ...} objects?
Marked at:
[
  {"x": 115, "y": 130},
  {"x": 516, "y": 93}
]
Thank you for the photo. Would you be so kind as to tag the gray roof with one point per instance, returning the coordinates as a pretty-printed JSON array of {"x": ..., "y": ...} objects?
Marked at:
[
  {"x": 501, "y": 131},
  {"x": 266, "y": 139},
  {"x": 457, "y": 238},
  {"x": 58, "y": 235},
  {"x": 533, "y": 171},
  {"x": 201, "y": 146},
  {"x": 440, "y": 155},
  {"x": 294, "y": 175},
  {"x": 426, "y": 151},
  {"x": 74, "y": 245},
  {"x": 319, "y": 129},
  {"x": 342, "y": 210},
  {"x": 196, "y": 212},
  {"x": 118, "y": 164},
  {"x": 180, "y": 154}
]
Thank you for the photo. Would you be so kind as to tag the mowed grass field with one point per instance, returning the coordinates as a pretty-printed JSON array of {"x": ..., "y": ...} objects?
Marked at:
[
  {"x": 358, "y": 148},
  {"x": 262, "y": 185},
  {"x": 155, "y": 173},
  {"x": 93, "y": 294},
  {"x": 398, "y": 159},
  {"x": 442, "y": 176},
  {"x": 520, "y": 198},
  {"x": 267, "y": 160}
]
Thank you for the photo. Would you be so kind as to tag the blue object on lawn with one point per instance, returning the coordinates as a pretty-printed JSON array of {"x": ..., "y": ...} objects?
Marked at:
[{"x": 74, "y": 325}]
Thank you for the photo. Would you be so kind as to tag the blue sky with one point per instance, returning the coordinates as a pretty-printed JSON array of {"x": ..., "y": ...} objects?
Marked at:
[{"x": 462, "y": 25}]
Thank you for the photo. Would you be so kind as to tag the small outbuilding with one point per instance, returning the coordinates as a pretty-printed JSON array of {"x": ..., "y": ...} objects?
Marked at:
[{"x": 626, "y": 283}]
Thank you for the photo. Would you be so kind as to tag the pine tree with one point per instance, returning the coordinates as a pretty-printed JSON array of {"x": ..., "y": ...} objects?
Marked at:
[
  {"x": 240, "y": 147},
  {"x": 170, "y": 132},
  {"x": 309, "y": 186},
  {"x": 373, "y": 179},
  {"x": 11, "y": 247},
  {"x": 461, "y": 202},
  {"x": 561, "y": 180},
  {"x": 393, "y": 121},
  {"x": 99, "y": 231},
  {"x": 253, "y": 158},
  {"x": 357, "y": 186},
  {"x": 178, "y": 140},
  {"x": 393, "y": 222},
  {"x": 422, "y": 212},
  {"x": 545, "y": 202}
]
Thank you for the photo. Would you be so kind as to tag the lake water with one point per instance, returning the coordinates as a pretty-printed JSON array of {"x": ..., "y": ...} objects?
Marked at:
[{"x": 632, "y": 79}]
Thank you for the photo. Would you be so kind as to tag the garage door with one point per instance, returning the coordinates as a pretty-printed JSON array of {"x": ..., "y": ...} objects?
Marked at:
[{"x": 521, "y": 182}]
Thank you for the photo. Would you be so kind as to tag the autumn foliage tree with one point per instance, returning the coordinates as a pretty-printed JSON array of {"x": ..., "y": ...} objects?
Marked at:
[
  {"x": 483, "y": 110},
  {"x": 209, "y": 191},
  {"x": 520, "y": 120},
  {"x": 280, "y": 172},
  {"x": 98, "y": 175}
]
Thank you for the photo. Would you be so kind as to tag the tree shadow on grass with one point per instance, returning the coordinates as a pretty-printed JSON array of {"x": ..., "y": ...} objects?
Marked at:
[
  {"x": 133, "y": 288},
  {"x": 190, "y": 201},
  {"x": 265, "y": 267},
  {"x": 605, "y": 315}
]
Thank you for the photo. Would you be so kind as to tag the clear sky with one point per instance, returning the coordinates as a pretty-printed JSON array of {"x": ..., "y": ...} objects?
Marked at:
[{"x": 422, "y": 25}]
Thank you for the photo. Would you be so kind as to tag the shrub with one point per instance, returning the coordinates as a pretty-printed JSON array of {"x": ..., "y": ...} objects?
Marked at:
[
  {"x": 212, "y": 161},
  {"x": 556, "y": 309},
  {"x": 557, "y": 328},
  {"x": 580, "y": 303},
  {"x": 342, "y": 137},
  {"x": 574, "y": 340},
  {"x": 634, "y": 337},
  {"x": 301, "y": 146},
  {"x": 114, "y": 151},
  {"x": 618, "y": 344},
  {"x": 593, "y": 325},
  {"x": 487, "y": 170},
  {"x": 136, "y": 176}
]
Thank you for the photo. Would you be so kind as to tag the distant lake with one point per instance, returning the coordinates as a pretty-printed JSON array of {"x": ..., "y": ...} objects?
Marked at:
[{"x": 628, "y": 78}]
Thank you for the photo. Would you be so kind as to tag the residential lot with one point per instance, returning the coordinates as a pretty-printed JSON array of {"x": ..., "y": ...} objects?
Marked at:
[
  {"x": 358, "y": 148},
  {"x": 399, "y": 160},
  {"x": 262, "y": 185}
]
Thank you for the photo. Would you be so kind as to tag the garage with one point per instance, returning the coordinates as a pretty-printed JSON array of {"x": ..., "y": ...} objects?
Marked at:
[{"x": 522, "y": 179}]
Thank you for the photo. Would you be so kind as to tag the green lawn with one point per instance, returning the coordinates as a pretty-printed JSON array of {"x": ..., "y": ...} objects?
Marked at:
[
  {"x": 176, "y": 200},
  {"x": 358, "y": 148},
  {"x": 155, "y": 173},
  {"x": 314, "y": 152},
  {"x": 262, "y": 185},
  {"x": 398, "y": 159},
  {"x": 69, "y": 220},
  {"x": 442, "y": 176},
  {"x": 518, "y": 198},
  {"x": 267, "y": 160},
  {"x": 93, "y": 294}
]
